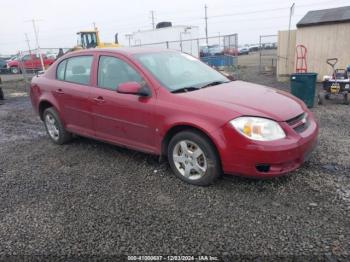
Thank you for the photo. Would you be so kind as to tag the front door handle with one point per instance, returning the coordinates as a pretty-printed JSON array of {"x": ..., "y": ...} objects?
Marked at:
[
  {"x": 59, "y": 91},
  {"x": 99, "y": 100}
]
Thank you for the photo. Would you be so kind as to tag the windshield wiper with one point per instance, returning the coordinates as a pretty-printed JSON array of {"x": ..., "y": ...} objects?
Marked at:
[
  {"x": 214, "y": 83},
  {"x": 192, "y": 88},
  {"x": 185, "y": 89}
]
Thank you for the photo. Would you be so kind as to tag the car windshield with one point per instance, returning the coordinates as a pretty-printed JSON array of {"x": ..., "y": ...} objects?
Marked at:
[{"x": 178, "y": 70}]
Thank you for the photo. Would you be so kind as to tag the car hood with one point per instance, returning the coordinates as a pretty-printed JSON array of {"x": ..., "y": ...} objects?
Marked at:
[{"x": 244, "y": 98}]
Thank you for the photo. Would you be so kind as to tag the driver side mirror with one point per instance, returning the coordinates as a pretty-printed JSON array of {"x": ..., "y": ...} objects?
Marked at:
[{"x": 133, "y": 88}]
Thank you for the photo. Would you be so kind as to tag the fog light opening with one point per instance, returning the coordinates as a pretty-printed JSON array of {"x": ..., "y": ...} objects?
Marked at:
[{"x": 264, "y": 168}]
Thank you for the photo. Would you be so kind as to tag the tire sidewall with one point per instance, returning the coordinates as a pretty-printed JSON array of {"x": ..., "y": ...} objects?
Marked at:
[
  {"x": 15, "y": 70},
  {"x": 213, "y": 163},
  {"x": 59, "y": 125}
]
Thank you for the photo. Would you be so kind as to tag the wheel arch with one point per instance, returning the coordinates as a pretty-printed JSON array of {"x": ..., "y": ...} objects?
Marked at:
[
  {"x": 44, "y": 104},
  {"x": 171, "y": 132}
]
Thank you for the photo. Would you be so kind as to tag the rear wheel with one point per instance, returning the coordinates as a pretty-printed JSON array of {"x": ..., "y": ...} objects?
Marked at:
[
  {"x": 193, "y": 158},
  {"x": 54, "y": 127}
]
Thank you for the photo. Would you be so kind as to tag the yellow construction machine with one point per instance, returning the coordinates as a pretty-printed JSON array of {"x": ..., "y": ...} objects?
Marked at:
[{"x": 91, "y": 39}]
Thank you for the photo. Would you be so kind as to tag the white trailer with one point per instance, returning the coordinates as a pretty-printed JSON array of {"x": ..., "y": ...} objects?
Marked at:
[{"x": 174, "y": 37}]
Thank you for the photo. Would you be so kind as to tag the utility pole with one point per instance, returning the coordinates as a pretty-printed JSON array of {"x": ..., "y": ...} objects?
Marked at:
[
  {"x": 206, "y": 23},
  {"x": 27, "y": 40},
  {"x": 37, "y": 43},
  {"x": 152, "y": 17},
  {"x": 30, "y": 52},
  {"x": 291, "y": 11}
]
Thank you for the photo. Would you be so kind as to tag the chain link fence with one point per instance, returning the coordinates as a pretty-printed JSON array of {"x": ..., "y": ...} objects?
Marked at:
[
  {"x": 268, "y": 54},
  {"x": 219, "y": 51},
  {"x": 25, "y": 64},
  {"x": 31, "y": 61}
]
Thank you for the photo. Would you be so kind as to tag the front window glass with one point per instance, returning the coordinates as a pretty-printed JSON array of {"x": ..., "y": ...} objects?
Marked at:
[
  {"x": 113, "y": 71},
  {"x": 88, "y": 40},
  {"x": 177, "y": 70}
]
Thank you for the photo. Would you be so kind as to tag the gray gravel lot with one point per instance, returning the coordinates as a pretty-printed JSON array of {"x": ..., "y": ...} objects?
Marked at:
[{"x": 91, "y": 198}]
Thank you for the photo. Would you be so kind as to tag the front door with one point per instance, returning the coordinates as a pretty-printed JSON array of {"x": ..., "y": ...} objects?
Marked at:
[{"x": 122, "y": 118}]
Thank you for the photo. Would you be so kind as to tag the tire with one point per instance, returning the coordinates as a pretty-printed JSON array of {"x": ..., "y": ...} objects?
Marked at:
[
  {"x": 54, "y": 127},
  {"x": 2, "y": 97},
  {"x": 15, "y": 70},
  {"x": 201, "y": 170},
  {"x": 320, "y": 98}
]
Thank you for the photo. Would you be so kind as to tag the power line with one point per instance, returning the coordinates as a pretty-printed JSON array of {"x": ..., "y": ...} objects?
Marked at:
[{"x": 195, "y": 18}]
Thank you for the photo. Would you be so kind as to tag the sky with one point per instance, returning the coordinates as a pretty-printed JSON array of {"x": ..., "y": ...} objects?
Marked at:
[{"x": 59, "y": 20}]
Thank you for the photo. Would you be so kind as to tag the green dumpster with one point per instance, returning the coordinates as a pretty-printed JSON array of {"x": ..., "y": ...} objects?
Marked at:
[{"x": 303, "y": 86}]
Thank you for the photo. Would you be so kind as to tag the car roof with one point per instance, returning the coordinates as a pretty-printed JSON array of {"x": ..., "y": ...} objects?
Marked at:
[{"x": 125, "y": 50}]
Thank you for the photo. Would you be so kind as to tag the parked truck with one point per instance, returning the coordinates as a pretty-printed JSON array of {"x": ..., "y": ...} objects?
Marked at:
[{"x": 29, "y": 62}]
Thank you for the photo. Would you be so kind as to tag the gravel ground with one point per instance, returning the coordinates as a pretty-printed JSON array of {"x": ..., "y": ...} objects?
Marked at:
[{"x": 91, "y": 198}]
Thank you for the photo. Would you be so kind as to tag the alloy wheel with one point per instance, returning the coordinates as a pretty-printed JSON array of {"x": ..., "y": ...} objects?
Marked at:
[
  {"x": 189, "y": 159},
  {"x": 51, "y": 126}
]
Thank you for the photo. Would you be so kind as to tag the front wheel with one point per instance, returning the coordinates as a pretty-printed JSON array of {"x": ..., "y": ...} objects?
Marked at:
[{"x": 193, "y": 158}]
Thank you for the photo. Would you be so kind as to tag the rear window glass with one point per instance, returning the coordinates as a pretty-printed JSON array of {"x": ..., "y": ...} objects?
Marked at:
[{"x": 75, "y": 69}]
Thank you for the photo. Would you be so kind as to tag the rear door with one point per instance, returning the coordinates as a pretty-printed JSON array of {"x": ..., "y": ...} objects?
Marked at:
[
  {"x": 72, "y": 91},
  {"x": 122, "y": 118}
]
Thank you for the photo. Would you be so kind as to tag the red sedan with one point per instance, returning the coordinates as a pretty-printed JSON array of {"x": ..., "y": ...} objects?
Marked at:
[{"x": 170, "y": 104}]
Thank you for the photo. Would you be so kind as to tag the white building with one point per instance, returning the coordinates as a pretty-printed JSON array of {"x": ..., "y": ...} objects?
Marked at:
[{"x": 172, "y": 37}]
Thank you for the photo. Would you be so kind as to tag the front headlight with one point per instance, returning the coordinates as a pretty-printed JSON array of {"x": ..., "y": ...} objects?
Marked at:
[{"x": 257, "y": 128}]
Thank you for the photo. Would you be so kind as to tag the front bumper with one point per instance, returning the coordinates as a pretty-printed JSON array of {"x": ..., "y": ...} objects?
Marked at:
[{"x": 258, "y": 159}]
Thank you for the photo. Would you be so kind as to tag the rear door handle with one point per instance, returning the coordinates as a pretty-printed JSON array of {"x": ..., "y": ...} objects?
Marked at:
[
  {"x": 99, "y": 99},
  {"x": 59, "y": 91}
]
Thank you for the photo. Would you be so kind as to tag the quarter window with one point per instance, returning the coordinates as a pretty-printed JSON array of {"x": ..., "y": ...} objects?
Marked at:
[
  {"x": 113, "y": 71},
  {"x": 61, "y": 70},
  {"x": 75, "y": 69}
]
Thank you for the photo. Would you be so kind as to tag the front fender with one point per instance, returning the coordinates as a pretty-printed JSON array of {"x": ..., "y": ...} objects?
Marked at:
[{"x": 209, "y": 128}]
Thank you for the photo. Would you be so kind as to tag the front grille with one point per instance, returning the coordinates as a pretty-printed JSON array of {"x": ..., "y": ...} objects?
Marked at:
[
  {"x": 296, "y": 119},
  {"x": 301, "y": 128},
  {"x": 299, "y": 123}
]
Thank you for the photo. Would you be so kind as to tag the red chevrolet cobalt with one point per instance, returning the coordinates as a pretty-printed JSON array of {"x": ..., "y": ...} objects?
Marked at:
[{"x": 170, "y": 104}]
